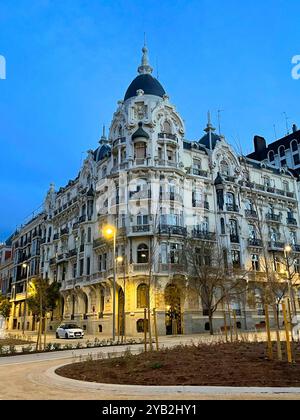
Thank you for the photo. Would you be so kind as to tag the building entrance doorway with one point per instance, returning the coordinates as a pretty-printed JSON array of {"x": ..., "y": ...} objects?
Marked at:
[{"x": 173, "y": 310}]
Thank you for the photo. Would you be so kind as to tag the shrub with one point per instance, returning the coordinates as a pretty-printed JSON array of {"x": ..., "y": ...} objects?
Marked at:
[
  {"x": 12, "y": 349},
  {"x": 56, "y": 346},
  {"x": 49, "y": 347},
  {"x": 26, "y": 349},
  {"x": 156, "y": 365}
]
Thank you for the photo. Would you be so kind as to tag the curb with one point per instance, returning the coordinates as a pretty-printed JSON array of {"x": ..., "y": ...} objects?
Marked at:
[{"x": 141, "y": 390}]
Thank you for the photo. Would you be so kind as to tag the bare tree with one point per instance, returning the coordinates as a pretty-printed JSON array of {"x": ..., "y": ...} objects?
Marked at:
[{"x": 209, "y": 278}]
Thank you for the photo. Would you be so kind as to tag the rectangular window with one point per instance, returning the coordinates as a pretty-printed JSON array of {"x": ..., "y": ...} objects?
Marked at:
[
  {"x": 296, "y": 159},
  {"x": 164, "y": 253},
  {"x": 255, "y": 262},
  {"x": 74, "y": 270},
  {"x": 89, "y": 235},
  {"x": 88, "y": 266},
  {"x": 81, "y": 264},
  {"x": 236, "y": 259},
  {"x": 64, "y": 271}
]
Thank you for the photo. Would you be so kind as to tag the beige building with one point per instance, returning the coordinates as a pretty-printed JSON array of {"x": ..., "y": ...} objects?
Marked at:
[{"x": 157, "y": 188}]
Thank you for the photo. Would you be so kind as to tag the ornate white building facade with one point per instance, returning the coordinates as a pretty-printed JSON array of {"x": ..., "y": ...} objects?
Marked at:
[{"x": 156, "y": 188}]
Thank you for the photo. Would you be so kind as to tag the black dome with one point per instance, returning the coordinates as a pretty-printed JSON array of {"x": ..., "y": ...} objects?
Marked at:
[
  {"x": 102, "y": 152},
  {"x": 205, "y": 140},
  {"x": 148, "y": 84}
]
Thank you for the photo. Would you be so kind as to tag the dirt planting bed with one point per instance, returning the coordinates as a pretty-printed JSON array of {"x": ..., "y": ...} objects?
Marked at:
[{"x": 236, "y": 364}]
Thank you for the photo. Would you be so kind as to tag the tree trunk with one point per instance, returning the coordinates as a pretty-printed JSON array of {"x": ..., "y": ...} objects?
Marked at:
[
  {"x": 211, "y": 327},
  {"x": 279, "y": 351}
]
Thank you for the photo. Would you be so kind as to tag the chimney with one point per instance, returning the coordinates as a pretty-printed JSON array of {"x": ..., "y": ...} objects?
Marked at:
[
  {"x": 259, "y": 144},
  {"x": 295, "y": 128}
]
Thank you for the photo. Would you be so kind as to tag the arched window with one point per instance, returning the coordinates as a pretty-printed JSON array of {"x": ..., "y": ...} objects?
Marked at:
[
  {"x": 142, "y": 254},
  {"x": 167, "y": 127},
  {"x": 281, "y": 151},
  {"x": 140, "y": 325},
  {"x": 294, "y": 146},
  {"x": 85, "y": 303},
  {"x": 142, "y": 296},
  {"x": 224, "y": 168},
  {"x": 271, "y": 156}
]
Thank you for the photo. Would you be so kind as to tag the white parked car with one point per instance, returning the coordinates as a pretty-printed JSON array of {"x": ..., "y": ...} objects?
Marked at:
[{"x": 69, "y": 331}]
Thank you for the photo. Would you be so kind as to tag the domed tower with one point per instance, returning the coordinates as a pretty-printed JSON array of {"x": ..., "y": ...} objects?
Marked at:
[{"x": 146, "y": 129}]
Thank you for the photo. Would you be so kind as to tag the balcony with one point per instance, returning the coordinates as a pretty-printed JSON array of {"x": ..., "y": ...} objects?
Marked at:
[
  {"x": 140, "y": 228},
  {"x": 72, "y": 253},
  {"x": 251, "y": 214},
  {"x": 36, "y": 234},
  {"x": 172, "y": 268},
  {"x": 234, "y": 239},
  {"x": 171, "y": 196},
  {"x": 253, "y": 242},
  {"x": 290, "y": 194},
  {"x": 291, "y": 221},
  {"x": 118, "y": 168},
  {"x": 140, "y": 268},
  {"x": 276, "y": 246},
  {"x": 140, "y": 162},
  {"x": 200, "y": 172},
  {"x": 165, "y": 163},
  {"x": 168, "y": 137},
  {"x": 272, "y": 217},
  {"x": 62, "y": 257},
  {"x": 230, "y": 179},
  {"x": 201, "y": 204},
  {"x": 76, "y": 226},
  {"x": 204, "y": 236},
  {"x": 296, "y": 248},
  {"x": 64, "y": 231},
  {"x": 139, "y": 195},
  {"x": 232, "y": 208},
  {"x": 98, "y": 242},
  {"x": 172, "y": 230},
  {"x": 82, "y": 219},
  {"x": 269, "y": 189},
  {"x": 119, "y": 141}
]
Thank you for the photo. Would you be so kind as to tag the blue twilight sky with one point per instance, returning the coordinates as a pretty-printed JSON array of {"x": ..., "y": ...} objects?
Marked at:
[{"x": 69, "y": 62}]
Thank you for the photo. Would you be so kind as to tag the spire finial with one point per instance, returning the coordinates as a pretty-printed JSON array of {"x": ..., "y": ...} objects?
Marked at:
[
  {"x": 103, "y": 139},
  {"x": 209, "y": 127},
  {"x": 145, "y": 67}
]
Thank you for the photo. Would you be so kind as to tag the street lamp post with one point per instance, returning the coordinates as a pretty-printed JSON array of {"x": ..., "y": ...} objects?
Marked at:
[
  {"x": 111, "y": 232},
  {"x": 25, "y": 265},
  {"x": 122, "y": 260},
  {"x": 287, "y": 251}
]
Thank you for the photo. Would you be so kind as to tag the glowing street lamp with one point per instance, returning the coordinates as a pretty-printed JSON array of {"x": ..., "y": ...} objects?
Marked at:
[{"x": 110, "y": 232}]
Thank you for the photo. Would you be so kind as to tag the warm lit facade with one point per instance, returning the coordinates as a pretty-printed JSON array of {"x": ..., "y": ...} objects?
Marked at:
[{"x": 156, "y": 188}]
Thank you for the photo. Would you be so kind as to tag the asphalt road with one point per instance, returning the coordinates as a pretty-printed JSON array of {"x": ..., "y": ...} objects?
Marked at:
[{"x": 30, "y": 377}]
